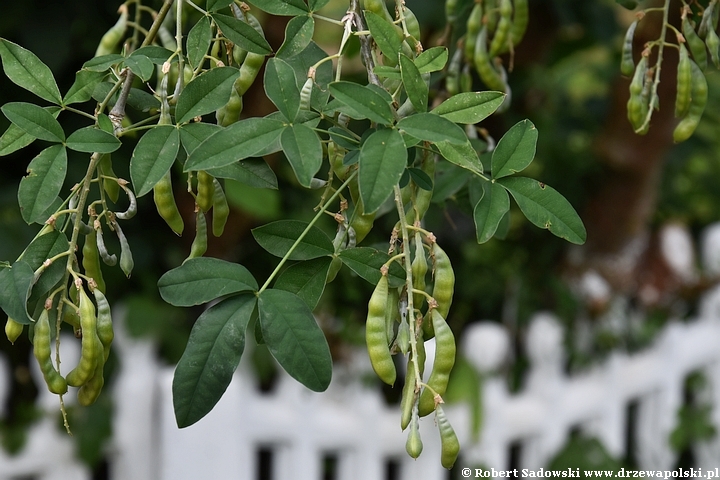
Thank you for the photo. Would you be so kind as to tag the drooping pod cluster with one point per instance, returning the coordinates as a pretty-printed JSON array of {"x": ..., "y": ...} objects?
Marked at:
[
  {"x": 696, "y": 37},
  {"x": 493, "y": 28},
  {"x": 93, "y": 324},
  {"x": 388, "y": 334}
]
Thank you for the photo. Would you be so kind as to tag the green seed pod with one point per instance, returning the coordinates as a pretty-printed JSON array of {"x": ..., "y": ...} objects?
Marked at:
[
  {"x": 111, "y": 40},
  {"x": 419, "y": 270},
  {"x": 713, "y": 44},
  {"x": 132, "y": 208},
  {"x": 699, "y": 94},
  {"x": 450, "y": 446},
  {"x": 165, "y": 204},
  {"x": 205, "y": 190},
  {"x": 411, "y": 389},
  {"x": 442, "y": 366},
  {"x": 376, "y": 335},
  {"x": 104, "y": 327},
  {"x": 501, "y": 39},
  {"x": 474, "y": 25},
  {"x": 414, "y": 445},
  {"x": 126, "y": 259},
  {"x": 13, "y": 330},
  {"x": 697, "y": 46},
  {"x": 636, "y": 107},
  {"x": 91, "y": 261},
  {"x": 110, "y": 260},
  {"x": 684, "y": 83},
  {"x": 221, "y": 209},
  {"x": 42, "y": 352},
  {"x": 490, "y": 77},
  {"x": 627, "y": 65},
  {"x": 91, "y": 350},
  {"x": 306, "y": 94},
  {"x": 521, "y": 17},
  {"x": 199, "y": 245}
]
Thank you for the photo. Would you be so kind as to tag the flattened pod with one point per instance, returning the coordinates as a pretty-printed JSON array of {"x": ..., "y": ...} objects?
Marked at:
[
  {"x": 697, "y": 46},
  {"x": 41, "y": 349},
  {"x": 91, "y": 350},
  {"x": 450, "y": 446},
  {"x": 627, "y": 65},
  {"x": 684, "y": 83},
  {"x": 376, "y": 335},
  {"x": 442, "y": 366},
  {"x": 689, "y": 123}
]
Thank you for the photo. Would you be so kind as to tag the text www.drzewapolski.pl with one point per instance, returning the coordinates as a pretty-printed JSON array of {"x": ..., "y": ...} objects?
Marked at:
[{"x": 577, "y": 473}]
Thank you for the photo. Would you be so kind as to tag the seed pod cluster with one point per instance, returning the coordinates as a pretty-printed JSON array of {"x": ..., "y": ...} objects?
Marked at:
[
  {"x": 389, "y": 312},
  {"x": 94, "y": 327},
  {"x": 695, "y": 39},
  {"x": 492, "y": 28}
]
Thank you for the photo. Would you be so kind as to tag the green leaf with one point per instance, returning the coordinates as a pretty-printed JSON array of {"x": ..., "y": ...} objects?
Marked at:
[
  {"x": 15, "y": 284},
  {"x": 546, "y": 208},
  {"x": 382, "y": 161},
  {"x": 386, "y": 71},
  {"x": 281, "y": 89},
  {"x": 387, "y": 36},
  {"x": 92, "y": 139},
  {"x": 363, "y": 100},
  {"x": 236, "y": 142},
  {"x": 242, "y": 34},
  {"x": 433, "y": 128},
  {"x": 26, "y": 70},
  {"x": 34, "y": 120},
  {"x": 470, "y": 107},
  {"x": 213, "y": 5},
  {"x": 449, "y": 179},
  {"x": 103, "y": 62},
  {"x": 155, "y": 53},
  {"x": 194, "y": 133},
  {"x": 39, "y": 189},
  {"x": 461, "y": 155},
  {"x": 15, "y": 138},
  {"x": 298, "y": 34},
  {"x": 303, "y": 150},
  {"x": 415, "y": 86},
  {"x": 421, "y": 179},
  {"x": 366, "y": 262},
  {"x": 515, "y": 150},
  {"x": 253, "y": 172},
  {"x": 278, "y": 237},
  {"x": 153, "y": 156},
  {"x": 316, "y": 5},
  {"x": 83, "y": 87},
  {"x": 141, "y": 66},
  {"x": 211, "y": 357},
  {"x": 306, "y": 280},
  {"x": 343, "y": 138},
  {"x": 490, "y": 210},
  {"x": 208, "y": 92},
  {"x": 199, "y": 280},
  {"x": 432, "y": 60},
  {"x": 281, "y": 7},
  {"x": 294, "y": 338},
  {"x": 198, "y": 41}
]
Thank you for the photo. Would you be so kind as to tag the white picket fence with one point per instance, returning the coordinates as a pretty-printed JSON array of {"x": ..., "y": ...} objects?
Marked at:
[{"x": 296, "y": 432}]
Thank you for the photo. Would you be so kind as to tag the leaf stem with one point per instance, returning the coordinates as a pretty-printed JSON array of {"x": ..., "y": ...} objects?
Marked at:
[
  {"x": 656, "y": 82},
  {"x": 306, "y": 231}
]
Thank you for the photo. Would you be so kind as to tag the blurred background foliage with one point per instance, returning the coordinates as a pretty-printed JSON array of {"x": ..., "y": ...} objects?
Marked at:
[{"x": 565, "y": 76}]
